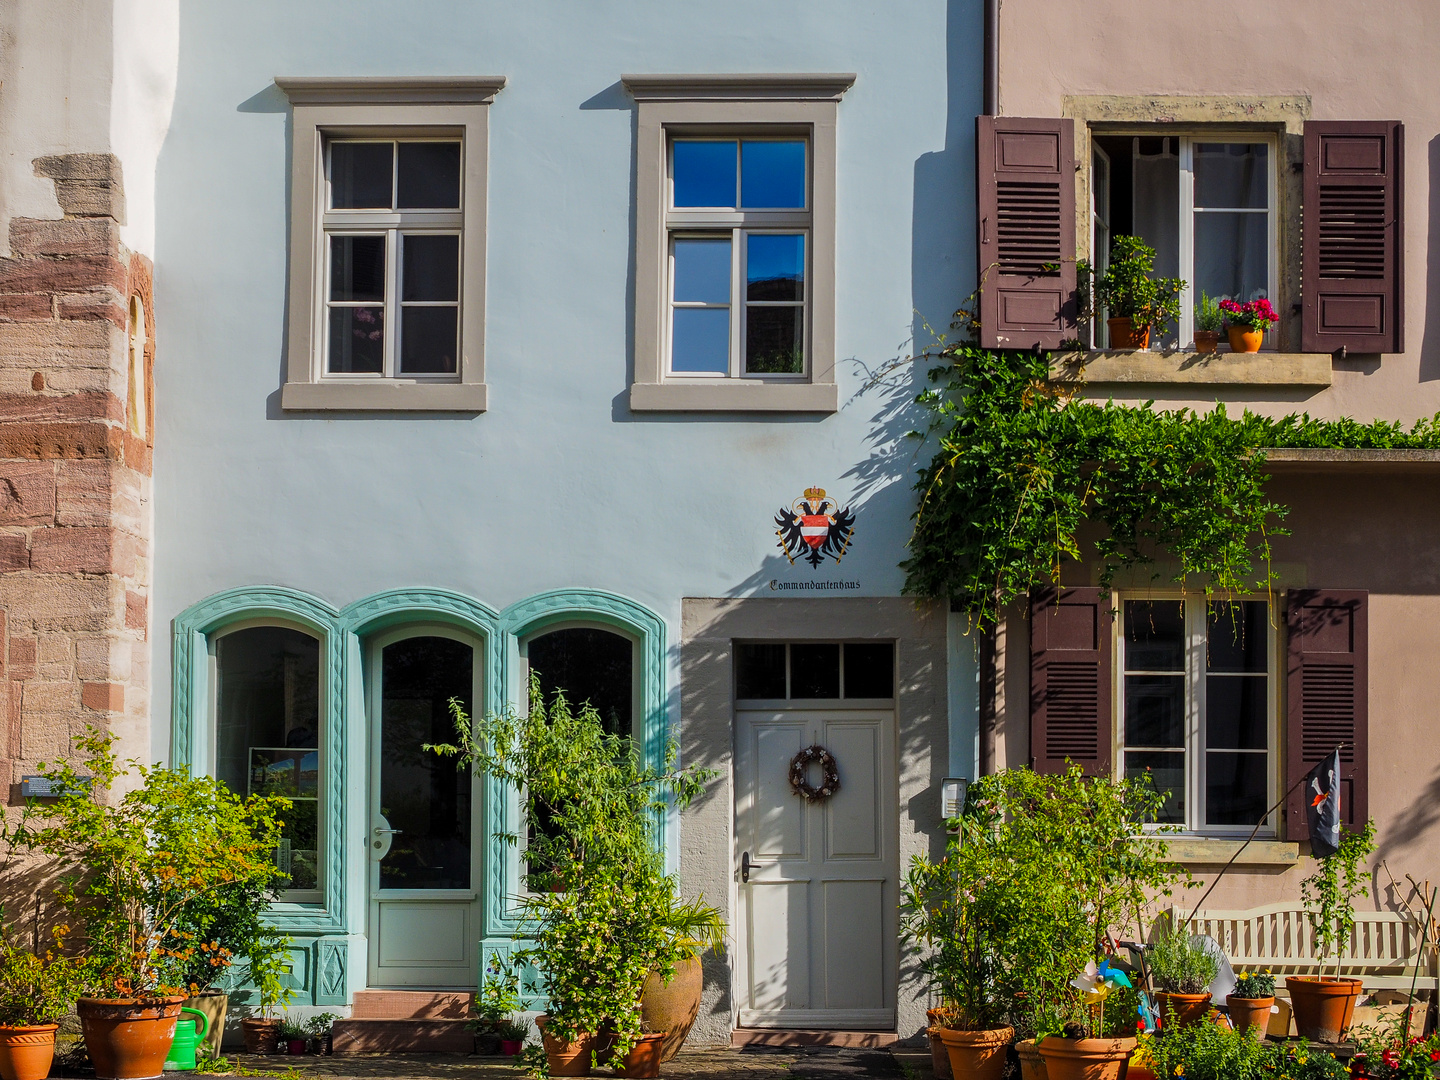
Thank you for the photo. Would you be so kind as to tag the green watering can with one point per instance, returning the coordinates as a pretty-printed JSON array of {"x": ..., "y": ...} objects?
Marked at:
[{"x": 188, "y": 1038}]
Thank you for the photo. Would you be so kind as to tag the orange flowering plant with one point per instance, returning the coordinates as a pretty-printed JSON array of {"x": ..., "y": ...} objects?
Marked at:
[{"x": 136, "y": 865}]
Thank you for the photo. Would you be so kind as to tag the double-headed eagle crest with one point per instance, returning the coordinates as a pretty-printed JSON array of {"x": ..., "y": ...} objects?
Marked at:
[{"x": 813, "y": 527}]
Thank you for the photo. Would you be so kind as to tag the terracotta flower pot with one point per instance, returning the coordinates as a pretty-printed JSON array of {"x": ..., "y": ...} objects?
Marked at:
[
  {"x": 1244, "y": 339},
  {"x": 643, "y": 1059},
  {"x": 213, "y": 1003},
  {"x": 1085, "y": 1059},
  {"x": 672, "y": 1007},
  {"x": 939, "y": 1056},
  {"x": 1182, "y": 1010},
  {"x": 1250, "y": 1014},
  {"x": 1323, "y": 1007},
  {"x": 566, "y": 1058},
  {"x": 977, "y": 1055},
  {"x": 1206, "y": 341},
  {"x": 1123, "y": 335},
  {"x": 1032, "y": 1062},
  {"x": 127, "y": 1038},
  {"x": 261, "y": 1035},
  {"x": 26, "y": 1052}
]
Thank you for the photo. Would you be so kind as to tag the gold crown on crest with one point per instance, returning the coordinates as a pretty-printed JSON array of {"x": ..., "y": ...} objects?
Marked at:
[{"x": 814, "y": 494}]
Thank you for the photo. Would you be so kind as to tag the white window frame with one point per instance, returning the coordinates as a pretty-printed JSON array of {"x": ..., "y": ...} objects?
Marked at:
[
  {"x": 736, "y": 224},
  {"x": 385, "y": 109},
  {"x": 1196, "y": 751}
]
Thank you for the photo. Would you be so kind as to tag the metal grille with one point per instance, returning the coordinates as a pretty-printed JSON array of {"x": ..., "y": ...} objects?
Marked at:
[
  {"x": 1028, "y": 227},
  {"x": 1072, "y": 710},
  {"x": 1352, "y": 231}
]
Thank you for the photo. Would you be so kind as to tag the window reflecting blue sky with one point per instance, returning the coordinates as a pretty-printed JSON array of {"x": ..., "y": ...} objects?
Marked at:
[
  {"x": 703, "y": 172},
  {"x": 772, "y": 175},
  {"x": 700, "y": 340},
  {"x": 775, "y": 266},
  {"x": 702, "y": 271}
]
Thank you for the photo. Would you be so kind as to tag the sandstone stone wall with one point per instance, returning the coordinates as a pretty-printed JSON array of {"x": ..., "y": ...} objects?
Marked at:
[{"x": 77, "y": 336}]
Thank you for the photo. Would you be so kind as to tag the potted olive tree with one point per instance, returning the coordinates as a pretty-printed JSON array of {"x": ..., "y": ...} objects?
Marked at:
[{"x": 1137, "y": 303}]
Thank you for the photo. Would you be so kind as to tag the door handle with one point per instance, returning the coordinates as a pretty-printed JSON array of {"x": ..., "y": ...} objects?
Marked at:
[
  {"x": 388, "y": 832},
  {"x": 746, "y": 866},
  {"x": 379, "y": 844}
]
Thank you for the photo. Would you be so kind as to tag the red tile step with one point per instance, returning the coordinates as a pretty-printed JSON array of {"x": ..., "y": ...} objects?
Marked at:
[
  {"x": 811, "y": 1037},
  {"x": 406, "y": 1021},
  {"x": 411, "y": 1005}
]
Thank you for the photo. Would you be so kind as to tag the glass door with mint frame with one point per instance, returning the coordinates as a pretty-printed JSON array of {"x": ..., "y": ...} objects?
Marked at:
[{"x": 424, "y": 833}]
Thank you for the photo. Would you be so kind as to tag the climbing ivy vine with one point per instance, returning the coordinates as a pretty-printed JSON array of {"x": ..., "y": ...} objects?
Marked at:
[{"x": 1027, "y": 475}]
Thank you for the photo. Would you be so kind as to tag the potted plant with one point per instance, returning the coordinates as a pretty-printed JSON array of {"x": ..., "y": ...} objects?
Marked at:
[
  {"x": 495, "y": 1004},
  {"x": 1208, "y": 323},
  {"x": 512, "y": 1034},
  {"x": 318, "y": 1028},
  {"x": 1182, "y": 971},
  {"x": 130, "y": 867},
  {"x": 36, "y": 993},
  {"x": 1324, "y": 1006},
  {"x": 269, "y": 964},
  {"x": 295, "y": 1037},
  {"x": 691, "y": 927},
  {"x": 1251, "y": 1003},
  {"x": 1246, "y": 323},
  {"x": 1391, "y": 1052},
  {"x": 1136, "y": 302},
  {"x": 1100, "y": 1046}
]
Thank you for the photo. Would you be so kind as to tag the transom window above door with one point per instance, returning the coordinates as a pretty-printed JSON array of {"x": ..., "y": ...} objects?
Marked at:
[
  {"x": 738, "y": 223},
  {"x": 814, "y": 670}
]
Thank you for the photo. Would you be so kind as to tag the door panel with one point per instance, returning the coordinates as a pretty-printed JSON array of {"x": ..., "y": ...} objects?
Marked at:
[
  {"x": 422, "y": 933},
  {"x": 819, "y": 909}
]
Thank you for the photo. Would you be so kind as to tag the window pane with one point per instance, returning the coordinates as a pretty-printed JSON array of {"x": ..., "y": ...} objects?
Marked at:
[
  {"x": 1232, "y": 175},
  {"x": 591, "y": 666},
  {"x": 759, "y": 670},
  {"x": 774, "y": 340},
  {"x": 1235, "y": 712},
  {"x": 357, "y": 340},
  {"x": 431, "y": 266},
  {"x": 1167, "y": 773},
  {"x": 814, "y": 671},
  {"x": 1237, "y": 636},
  {"x": 1235, "y": 788},
  {"x": 1154, "y": 710},
  {"x": 357, "y": 268},
  {"x": 772, "y": 175},
  {"x": 360, "y": 175},
  {"x": 870, "y": 670},
  {"x": 774, "y": 266},
  {"x": 428, "y": 340},
  {"x": 702, "y": 271},
  {"x": 267, "y": 732},
  {"x": 1232, "y": 255},
  {"x": 425, "y": 796},
  {"x": 1154, "y": 635},
  {"x": 1156, "y": 171},
  {"x": 700, "y": 340},
  {"x": 429, "y": 176},
  {"x": 703, "y": 172}
]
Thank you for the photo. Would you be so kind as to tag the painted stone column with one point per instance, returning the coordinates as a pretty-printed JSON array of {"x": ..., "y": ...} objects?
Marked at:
[{"x": 77, "y": 335}]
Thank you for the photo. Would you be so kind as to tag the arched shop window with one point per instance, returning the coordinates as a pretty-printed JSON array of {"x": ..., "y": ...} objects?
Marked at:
[
  {"x": 268, "y": 736},
  {"x": 589, "y": 665}
]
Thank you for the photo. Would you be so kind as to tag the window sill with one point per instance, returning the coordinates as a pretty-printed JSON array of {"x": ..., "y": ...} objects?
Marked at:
[
  {"x": 387, "y": 395},
  {"x": 734, "y": 395},
  {"x": 1120, "y": 366},
  {"x": 1217, "y": 851}
]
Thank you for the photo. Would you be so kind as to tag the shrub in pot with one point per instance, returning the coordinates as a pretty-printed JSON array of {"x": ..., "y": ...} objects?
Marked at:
[
  {"x": 269, "y": 964},
  {"x": 131, "y": 868},
  {"x": 318, "y": 1029},
  {"x": 36, "y": 992},
  {"x": 1136, "y": 303},
  {"x": 1251, "y": 1003},
  {"x": 294, "y": 1037},
  {"x": 1324, "y": 1005},
  {"x": 1182, "y": 971},
  {"x": 494, "y": 1006},
  {"x": 512, "y": 1037},
  {"x": 1208, "y": 323}
]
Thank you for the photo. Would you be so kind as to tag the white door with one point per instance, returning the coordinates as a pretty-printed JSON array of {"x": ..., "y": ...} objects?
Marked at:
[
  {"x": 818, "y": 930},
  {"x": 425, "y": 828}
]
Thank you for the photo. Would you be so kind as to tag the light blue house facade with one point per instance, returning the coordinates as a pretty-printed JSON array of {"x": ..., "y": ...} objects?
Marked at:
[{"x": 485, "y": 349}]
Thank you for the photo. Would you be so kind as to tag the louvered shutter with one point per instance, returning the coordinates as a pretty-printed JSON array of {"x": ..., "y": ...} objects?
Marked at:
[
  {"x": 1327, "y": 695},
  {"x": 1353, "y": 250},
  {"x": 1026, "y": 229},
  {"x": 1070, "y": 709}
]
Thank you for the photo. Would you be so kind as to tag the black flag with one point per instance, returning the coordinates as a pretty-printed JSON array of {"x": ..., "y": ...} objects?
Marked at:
[{"x": 1322, "y": 811}]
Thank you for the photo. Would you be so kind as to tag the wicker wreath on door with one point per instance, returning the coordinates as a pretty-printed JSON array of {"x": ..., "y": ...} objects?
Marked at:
[{"x": 800, "y": 763}]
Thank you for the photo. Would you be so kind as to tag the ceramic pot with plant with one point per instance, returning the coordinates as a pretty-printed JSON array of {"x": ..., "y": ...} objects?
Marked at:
[
  {"x": 565, "y": 1056},
  {"x": 1136, "y": 302},
  {"x": 36, "y": 992},
  {"x": 1182, "y": 970},
  {"x": 495, "y": 1004},
  {"x": 1246, "y": 323},
  {"x": 512, "y": 1037},
  {"x": 1099, "y": 1047},
  {"x": 294, "y": 1038},
  {"x": 1208, "y": 323},
  {"x": 1251, "y": 1003},
  {"x": 269, "y": 964},
  {"x": 643, "y": 1059},
  {"x": 671, "y": 1005},
  {"x": 318, "y": 1029},
  {"x": 1325, "y": 1005}
]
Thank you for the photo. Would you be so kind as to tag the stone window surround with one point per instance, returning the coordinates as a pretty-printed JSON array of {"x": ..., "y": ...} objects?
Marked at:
[
  {"x": 1282, "y": 116},
  {"x": 738, "y": 104},
  {"x": 400, "y": 106}
]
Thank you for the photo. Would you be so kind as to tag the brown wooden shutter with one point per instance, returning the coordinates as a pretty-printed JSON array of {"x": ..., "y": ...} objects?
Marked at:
[
  {"x": 1026, "y": 231},
  {"x": 1353, "y": 251},
  {"x": 1070, "y": 710},
  {"x": 1327, "y": 696}
]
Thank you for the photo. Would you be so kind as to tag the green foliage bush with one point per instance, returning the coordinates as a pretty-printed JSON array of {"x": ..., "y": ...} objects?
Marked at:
[
  {"x": 1127, "y": 290},
  {"x": 1207, "y": 1051},
  {"x": 38, "y": 988},
  {"x": 1177, "y": 963}
]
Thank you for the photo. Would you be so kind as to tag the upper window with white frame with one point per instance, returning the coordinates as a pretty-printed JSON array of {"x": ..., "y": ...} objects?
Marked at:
[
  {"x": 1198, "y": 708},
  {"x": 1206, "y": 202}
]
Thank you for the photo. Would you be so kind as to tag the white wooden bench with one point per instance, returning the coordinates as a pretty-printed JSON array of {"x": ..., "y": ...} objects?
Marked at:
[{"x": 1384, "y": 949}]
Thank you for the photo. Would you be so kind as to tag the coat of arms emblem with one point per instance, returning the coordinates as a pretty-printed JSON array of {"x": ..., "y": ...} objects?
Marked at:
[{"x": 814, "y": 526}]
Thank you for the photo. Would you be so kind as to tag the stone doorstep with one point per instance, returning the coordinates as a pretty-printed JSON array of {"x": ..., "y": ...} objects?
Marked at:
[
  {"x": 401, "y": 1036},
  {"x": 811, "y": 1037},
  {"x": 411, "y": 1005}
]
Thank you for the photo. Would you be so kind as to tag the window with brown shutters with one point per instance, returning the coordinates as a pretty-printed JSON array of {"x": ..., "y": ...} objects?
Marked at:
[
  {"x": 1327, "y": 694},
  {"x": 1070, "y": 678},
  {"x": 1026, "y": 231},
  {"x": 1354, "y": 236}
]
